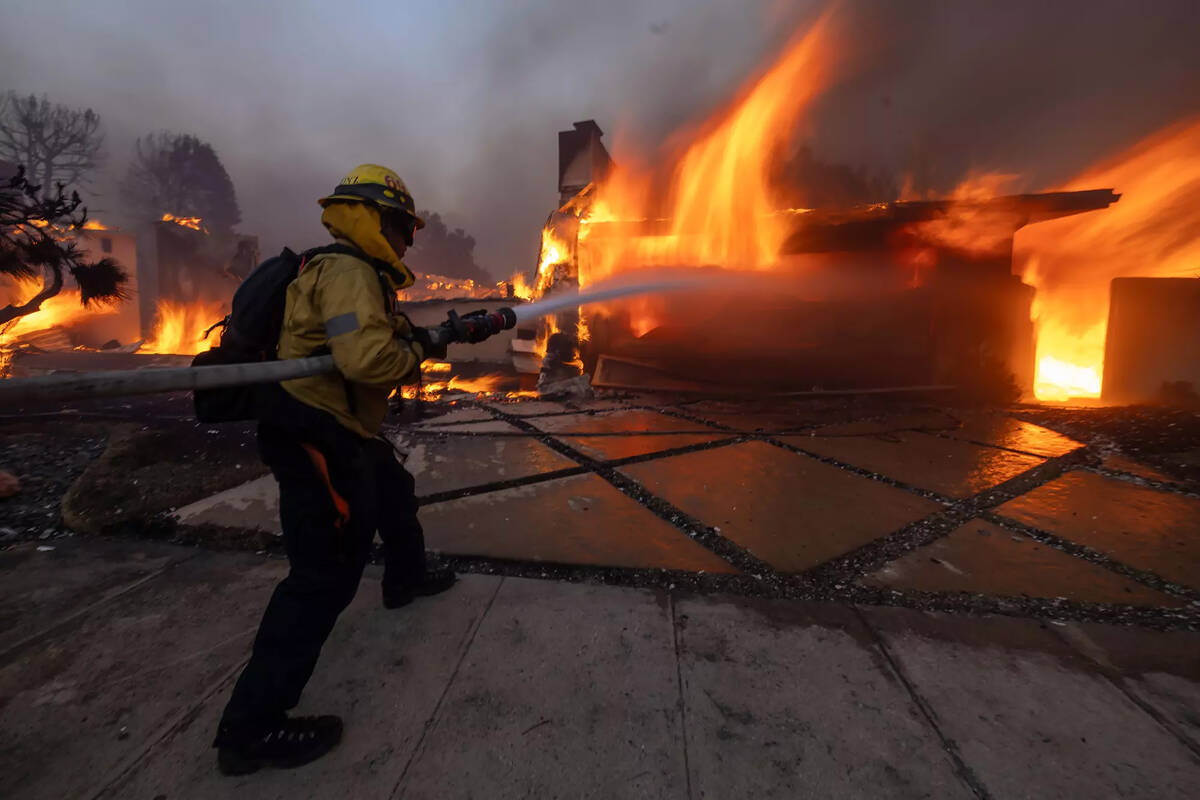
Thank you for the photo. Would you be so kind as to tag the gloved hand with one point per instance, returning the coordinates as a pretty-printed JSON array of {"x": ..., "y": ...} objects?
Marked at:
[
  {"x": 479, "y": 325},
  {"x": 469, "y": 328},
  {"x": 431, "y": 349}
]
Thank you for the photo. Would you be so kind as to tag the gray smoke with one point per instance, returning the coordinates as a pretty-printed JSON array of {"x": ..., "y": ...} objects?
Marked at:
[{"x": 465, "y": 99}]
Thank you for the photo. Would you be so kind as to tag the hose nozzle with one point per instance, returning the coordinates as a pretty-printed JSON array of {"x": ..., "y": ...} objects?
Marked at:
[{"x": 471, "y": 328}]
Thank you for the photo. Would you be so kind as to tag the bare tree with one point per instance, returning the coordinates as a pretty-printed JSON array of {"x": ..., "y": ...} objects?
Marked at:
[
  {"x": 55, "y": 143},
  {"x": 179, "y": 174},
  {"x": 36, "y": 240}
]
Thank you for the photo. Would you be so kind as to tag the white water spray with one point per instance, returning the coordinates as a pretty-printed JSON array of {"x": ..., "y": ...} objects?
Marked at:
[
  {"x": 602, "y": 292},
  {"x": 20, "y": 392}
]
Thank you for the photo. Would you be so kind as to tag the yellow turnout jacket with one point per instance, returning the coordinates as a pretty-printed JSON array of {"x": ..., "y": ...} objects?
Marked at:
[{"x": 338, "y": 302}]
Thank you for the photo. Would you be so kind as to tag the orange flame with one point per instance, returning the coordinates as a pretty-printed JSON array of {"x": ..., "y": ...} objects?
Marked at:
[
  {"x": 522, "y": 288},
  {"x": 433, "y": 390},
  {"x": 967, "y": 226},
  {"x": 61, "y": 309},
  {"x": 721, "y": 207},
  {"x": 430, "y": 287},
  {"x": 179, "y": 328},
  {"x": 1153, "y": 231},
  {"x": 481, "y": 385},
  {"x": 195, "y": 223},
  {"x": 547, "y": 327},
  {"x": 555, "y": 256}
]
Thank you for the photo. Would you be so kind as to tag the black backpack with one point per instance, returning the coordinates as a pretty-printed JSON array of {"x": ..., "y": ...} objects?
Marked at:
[{"x": 251, "y": 333}]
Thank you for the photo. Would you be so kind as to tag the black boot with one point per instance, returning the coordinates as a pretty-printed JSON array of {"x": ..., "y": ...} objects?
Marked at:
[
  {"x": 293, "y": 742},
  {"x": 435, "y": 581}
]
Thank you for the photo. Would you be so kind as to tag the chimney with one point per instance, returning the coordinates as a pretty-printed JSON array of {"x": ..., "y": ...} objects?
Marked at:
[{"x": 581, "y": 158}]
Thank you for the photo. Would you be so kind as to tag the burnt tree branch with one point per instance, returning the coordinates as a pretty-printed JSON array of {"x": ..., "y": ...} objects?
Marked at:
[{"x": 37, "y": 237}]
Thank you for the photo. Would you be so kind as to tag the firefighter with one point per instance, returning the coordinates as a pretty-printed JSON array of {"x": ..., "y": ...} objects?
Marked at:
[{"x": 339, "y": 482}]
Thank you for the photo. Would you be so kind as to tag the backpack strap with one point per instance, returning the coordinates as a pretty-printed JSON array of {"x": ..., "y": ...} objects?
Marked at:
[
  {"x": 346, "y": 250},
  {"x": 382, "y": 268}
]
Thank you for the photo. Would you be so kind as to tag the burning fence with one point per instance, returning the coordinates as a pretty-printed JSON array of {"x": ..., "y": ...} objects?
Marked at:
[{"x": 891, "y": 294}]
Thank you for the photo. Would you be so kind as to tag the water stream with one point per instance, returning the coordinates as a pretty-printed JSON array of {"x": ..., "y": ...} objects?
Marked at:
[{"x": 603, "y": 292}]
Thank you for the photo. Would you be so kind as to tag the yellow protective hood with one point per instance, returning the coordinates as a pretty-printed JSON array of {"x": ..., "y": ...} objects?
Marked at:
[{"x": 359, "y": 224}]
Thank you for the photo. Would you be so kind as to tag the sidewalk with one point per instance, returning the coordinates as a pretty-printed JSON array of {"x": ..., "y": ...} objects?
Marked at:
[{"x": 116, "y": 658}]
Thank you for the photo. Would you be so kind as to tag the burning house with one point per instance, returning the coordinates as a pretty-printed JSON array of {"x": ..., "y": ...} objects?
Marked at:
[
  {"x": 180, "y": 278},
  {"x": 189, "y": 274},
  {"x": 1001, "y": 294},
  {"x": 119, "y": 323},
  {"x": 891, "y": 295}
]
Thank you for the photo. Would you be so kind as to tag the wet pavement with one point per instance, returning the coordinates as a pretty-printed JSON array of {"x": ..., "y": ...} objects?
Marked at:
[
  {"x": 473, "y": 454},
  {"x": 859, "y": 501},
  {"x": 669, "y": 598},
  {"x": 580, "y": 519},
  {"x": 1145, "y": 528},
  {"x": 611, "y": 437},
  {"x": 123, "y": 653},
  {"x": 949, "y": 467},
  {"x": 982, "y": 557},
  {"x": 790, "y": 511}
]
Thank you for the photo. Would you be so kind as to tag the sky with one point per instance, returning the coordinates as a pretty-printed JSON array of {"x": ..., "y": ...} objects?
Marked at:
[{"x": 465, "y": 99}]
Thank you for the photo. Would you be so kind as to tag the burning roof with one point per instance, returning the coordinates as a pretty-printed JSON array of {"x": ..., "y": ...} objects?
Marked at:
[
  {"x": 874, "y": 226},
  {"x": 710, "y": 203}
]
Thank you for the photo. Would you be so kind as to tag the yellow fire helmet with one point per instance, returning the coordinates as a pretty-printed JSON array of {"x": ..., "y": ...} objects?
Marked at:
[{"x": 375, "y": 184}]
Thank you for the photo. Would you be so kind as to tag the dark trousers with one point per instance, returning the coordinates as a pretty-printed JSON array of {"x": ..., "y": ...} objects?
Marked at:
[{"x": 327, "y": 551}]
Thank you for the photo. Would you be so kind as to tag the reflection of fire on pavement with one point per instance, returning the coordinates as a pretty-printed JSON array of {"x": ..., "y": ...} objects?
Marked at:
[{"x": 443, "y": 379}]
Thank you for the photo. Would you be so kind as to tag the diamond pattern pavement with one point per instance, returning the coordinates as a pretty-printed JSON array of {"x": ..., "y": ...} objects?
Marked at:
[
  {"x": 792, "y": 511},
  {"x": 902, "y": 486}
]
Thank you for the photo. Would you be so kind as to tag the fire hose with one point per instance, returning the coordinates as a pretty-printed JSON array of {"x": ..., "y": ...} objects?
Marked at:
[
  {"x": 468, "y": 328},
  {"x": 17, "y": 392}
]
